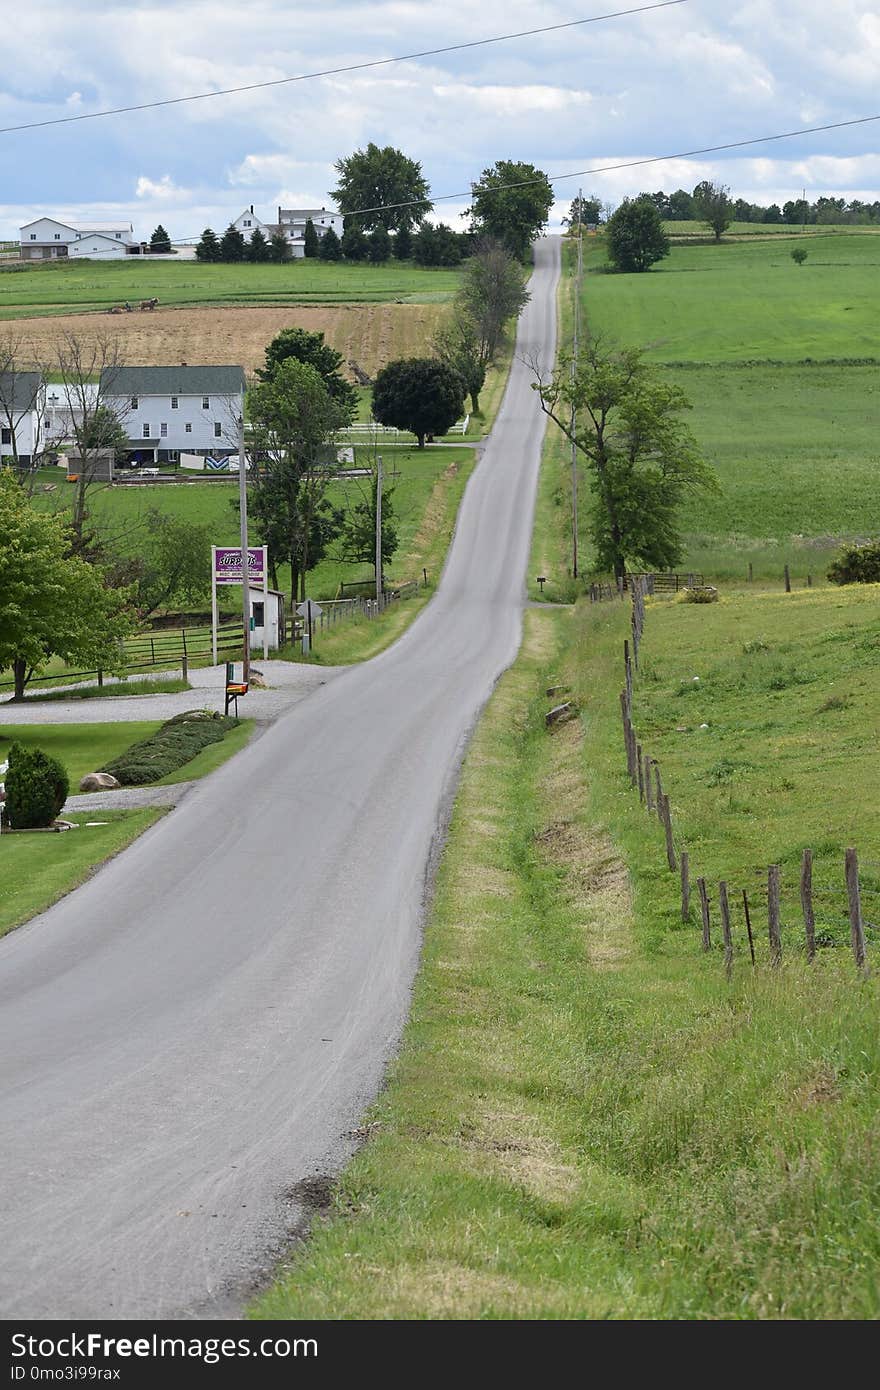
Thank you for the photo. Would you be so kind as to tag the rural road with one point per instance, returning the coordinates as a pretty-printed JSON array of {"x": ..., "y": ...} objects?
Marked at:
[{"x": 191, "y": 1036}]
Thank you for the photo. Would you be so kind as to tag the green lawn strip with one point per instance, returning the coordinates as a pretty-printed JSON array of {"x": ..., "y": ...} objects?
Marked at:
[
  {"x": 584, "y": 1120},
  {"x": 91, "y": 285},
  {"x": 80, "y": 748},
  {"x": 38, "y": 869},
  {"x": 120, "y": 690}
]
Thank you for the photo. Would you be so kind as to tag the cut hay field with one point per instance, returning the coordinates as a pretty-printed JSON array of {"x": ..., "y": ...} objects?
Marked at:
[
  {"x": 370, "y": 334},
  {"x": 780, "y": 363}
]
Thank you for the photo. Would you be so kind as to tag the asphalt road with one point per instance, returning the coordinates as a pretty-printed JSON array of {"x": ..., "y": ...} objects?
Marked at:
[{"x": 194, "y": 1033}]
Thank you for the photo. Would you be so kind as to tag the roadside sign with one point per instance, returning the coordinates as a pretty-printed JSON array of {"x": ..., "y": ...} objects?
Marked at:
[
  {"x": 227, "y": 564},
  {"x": 310, "y": 609}
]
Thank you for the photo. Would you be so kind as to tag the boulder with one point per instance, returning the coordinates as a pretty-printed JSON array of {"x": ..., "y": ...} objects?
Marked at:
[{"x": 98, "y": 782}]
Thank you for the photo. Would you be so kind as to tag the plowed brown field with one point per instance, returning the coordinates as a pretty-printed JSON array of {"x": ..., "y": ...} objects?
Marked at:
[{"x": 369, "y": 334}]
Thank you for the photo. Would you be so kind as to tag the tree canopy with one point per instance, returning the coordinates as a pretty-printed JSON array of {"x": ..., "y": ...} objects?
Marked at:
[
  {"x": 635, "y": 235},
  {"x": 511, "y": 203},
  {"x": 387, "y": 183},
  {"x": 643, "y": 459},
  {"x": 492, "y": 293},
  {"x": 420, "y": 394},
  {"x": 310, "y": 347},
  {"x": 714, "y": 206},
  {"x": 160, "y": 242},
  {"x": 54, "y": 604}
]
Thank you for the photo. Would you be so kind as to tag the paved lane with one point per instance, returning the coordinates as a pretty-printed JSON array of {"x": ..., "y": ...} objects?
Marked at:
[{"x": 197, "y": 1029}]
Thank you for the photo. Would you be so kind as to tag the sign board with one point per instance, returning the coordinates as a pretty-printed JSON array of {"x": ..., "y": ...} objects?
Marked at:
[
  {"x": 310, "y": 610},
  {"x": 227, "y": 564}
]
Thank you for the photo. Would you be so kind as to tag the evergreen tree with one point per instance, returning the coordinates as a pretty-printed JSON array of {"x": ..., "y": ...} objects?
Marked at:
[
  {"x": 379, "y": 245},
  {"x": 160, "y": 242},
  {"x": 232, "y": 245},
  {"x": 279, "y": 250},
  {"x": 331, "y": 248},
  {"x": 311, "y": 240},
  {"x": 354, "y": 244},
  {"x": 403, "y": 244},
  {"x": 208, "y": 248},
  {"x": 258, "y": 247}
]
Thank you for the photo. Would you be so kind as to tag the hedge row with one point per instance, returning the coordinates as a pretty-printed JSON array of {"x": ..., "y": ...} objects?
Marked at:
[{"x": 169, "y": 748}]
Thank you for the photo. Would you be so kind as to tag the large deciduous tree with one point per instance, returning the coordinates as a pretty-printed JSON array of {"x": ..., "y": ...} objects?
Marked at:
[
  {"x": 457, "y": 343},
  {"x": 511, "y": 204},
  {"x": 419, "y": 394},
  {"x": 51, "y": 603},
  {"x": 492, "y": 294},
  {"x": 308, "y": 346},
  {"x": 295, "y": 421},
  {"x": 643, "y": 459},
  {"x": 383, "y": 187},
  {"x": 714, "y": 206},
  {"x": 635, "y": 235}
]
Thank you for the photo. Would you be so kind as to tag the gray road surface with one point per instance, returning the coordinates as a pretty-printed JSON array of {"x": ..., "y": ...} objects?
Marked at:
[{"x": 195, "y": 1032}]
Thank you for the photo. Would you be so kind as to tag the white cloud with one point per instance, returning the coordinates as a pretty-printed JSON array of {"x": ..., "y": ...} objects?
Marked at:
[{"x": 166, "y": 190}]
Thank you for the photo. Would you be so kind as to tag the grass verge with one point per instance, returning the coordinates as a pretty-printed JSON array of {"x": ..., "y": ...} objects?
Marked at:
[
  {"x": 40, "y": 869},
  {"x": 585, "y": 1121}
]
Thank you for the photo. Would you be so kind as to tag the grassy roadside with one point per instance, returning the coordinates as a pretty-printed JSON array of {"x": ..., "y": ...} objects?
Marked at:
[
  {"x": 40, "y": 869},
  {"x": 585, "y": 1121},
  {"x": 357, "y": 639}
]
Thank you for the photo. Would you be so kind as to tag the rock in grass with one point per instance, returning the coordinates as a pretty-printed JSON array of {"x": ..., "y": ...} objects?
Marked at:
[{"x": 98, "y": 782}]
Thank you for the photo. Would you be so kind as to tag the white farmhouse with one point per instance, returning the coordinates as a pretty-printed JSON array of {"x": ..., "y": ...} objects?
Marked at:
[
  {"x": 166, "y": 410},
  {"x": 248, "y": 222},
  {"x": 292, "y": 226},
  {"x": 47, "y": 238},
  {"x": 22, "y": 406}
]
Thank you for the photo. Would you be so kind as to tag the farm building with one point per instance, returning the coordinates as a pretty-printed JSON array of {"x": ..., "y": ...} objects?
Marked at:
[
  {"x": 22, "y": 406},
  {"x": 165, "y": 410},
  {"x": 47, "y": 238}
]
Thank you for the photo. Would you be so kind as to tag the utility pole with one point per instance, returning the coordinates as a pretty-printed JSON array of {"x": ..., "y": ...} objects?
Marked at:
[
  {"x": 574, "y": 364},
  {"x": 245, "y": 568},
  {"x": 378, "y": 529}
]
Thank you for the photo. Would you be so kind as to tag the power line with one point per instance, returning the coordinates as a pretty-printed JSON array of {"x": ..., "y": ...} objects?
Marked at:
[{"x": 335, "y": 72}]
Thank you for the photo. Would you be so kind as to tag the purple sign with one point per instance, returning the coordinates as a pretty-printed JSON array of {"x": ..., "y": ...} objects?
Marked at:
[{"x": 227, "y": 565}]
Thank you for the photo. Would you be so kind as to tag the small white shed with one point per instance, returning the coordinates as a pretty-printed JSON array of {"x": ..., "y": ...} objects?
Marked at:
[{"x": 267, "y": 612}]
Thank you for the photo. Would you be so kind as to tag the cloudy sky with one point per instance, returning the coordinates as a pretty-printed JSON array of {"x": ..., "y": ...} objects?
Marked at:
[{"x": 704, "y": 72}]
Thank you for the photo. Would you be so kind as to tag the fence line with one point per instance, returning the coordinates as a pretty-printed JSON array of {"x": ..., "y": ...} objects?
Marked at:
[{"x": 643, "y": 772}]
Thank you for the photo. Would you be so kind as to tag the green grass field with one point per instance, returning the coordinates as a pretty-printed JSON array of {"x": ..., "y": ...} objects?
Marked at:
[
  {"x": 793, "y": 441},
  {"x": 585, "y": 1121},
  {"x": 87, "y": 286}
]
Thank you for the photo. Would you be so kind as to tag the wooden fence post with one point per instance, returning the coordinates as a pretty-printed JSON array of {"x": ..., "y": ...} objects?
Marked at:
[
  {"x": 787, "y": 581},
  {"x": 807, "y": 902},
  {"x": 649, "y": 789},
  {"x": 750, "y": 571},
  {"x": 856, "y": 926},
  {"x": 624, "y": 715},
  {"x": 628, "y": 675},
  {"x": 659, "y": 789},
  {"x": 640, "y": 772},
  {"x": 685, "y": 886},
  {"x": 704, "y": 913},
  {"x": 749, "y": 925},
  {"x": 725, "y": 930},
  {"x": 667, "y": 826},
  {"x": 773, "y": 914}
]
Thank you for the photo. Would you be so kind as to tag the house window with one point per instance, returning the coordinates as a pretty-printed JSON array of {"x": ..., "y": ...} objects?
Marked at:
[
  {"x": 6, "y": 436},
  {"x": 134, "y": 402},
  {"x": 173, "y": 402},
  {"x": 247, "y": 224},
  {"x": 188, "y": 428},
  {"x": 57, "y": 236},
  {"x": 163, "y": 430},
  {"x": 218, "y": 430},
  {"x": 146, "y": 431},
  {"x": 259, "y": 614},
  {"x": 118, "y": 235},
  {"x": 33, "y": 236},
  {"x": 206, "y": 404}
]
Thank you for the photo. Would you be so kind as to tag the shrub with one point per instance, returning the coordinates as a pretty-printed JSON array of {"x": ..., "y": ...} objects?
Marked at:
[
  {"x": 799, "y": 255},
  {"x": 701, "y": 593},
  {"x": 36, "y": 788},
  {"x": 172, "y": 746},
  {"x": 856, "y": 564}
]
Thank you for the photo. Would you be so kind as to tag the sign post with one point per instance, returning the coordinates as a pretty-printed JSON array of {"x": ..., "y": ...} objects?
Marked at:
[
  {"x": 310, "y": 610},
  {"x": 245, "y": 562},
  {"x": 213, "y": 605}
]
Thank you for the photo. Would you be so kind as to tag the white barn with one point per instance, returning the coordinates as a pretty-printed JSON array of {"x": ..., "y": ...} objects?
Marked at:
[
  {"x": 22, "y": 407},
  {"x": 47, "y": 238}
]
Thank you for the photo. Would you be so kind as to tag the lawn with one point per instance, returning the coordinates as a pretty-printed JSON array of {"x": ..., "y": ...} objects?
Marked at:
[
  {"x": 585, "y": 1121},
  {"x": 83, "y": 748},
  {"x": 88, "y": 286},
  {"x": 40, "y": 869}
]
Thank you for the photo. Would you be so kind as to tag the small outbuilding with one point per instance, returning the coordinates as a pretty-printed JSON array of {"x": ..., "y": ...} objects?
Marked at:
[{"x": 267, "y": 619}]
